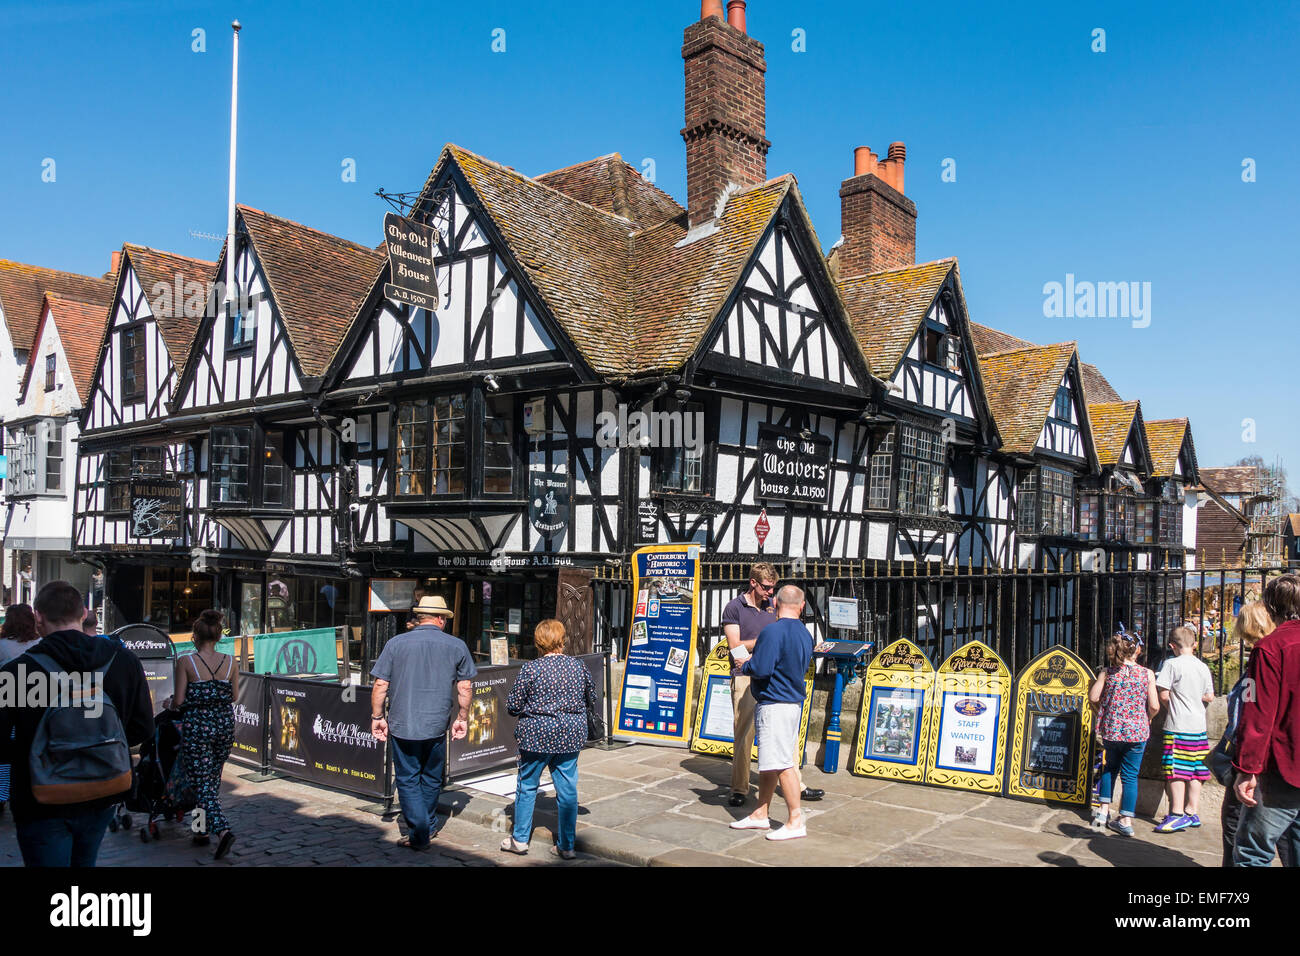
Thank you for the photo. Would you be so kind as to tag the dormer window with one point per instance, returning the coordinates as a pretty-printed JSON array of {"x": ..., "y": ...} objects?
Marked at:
[
  {"x": 51, "y": 366},
  {"x": 241, "y": 328},
  {"x": 1061, "y": 408}
]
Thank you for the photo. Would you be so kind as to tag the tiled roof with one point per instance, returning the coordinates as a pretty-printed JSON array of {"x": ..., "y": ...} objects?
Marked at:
[
  {"x": 631, "y": 300},
  {"x": 613, "y": 185},
  {"x": 1165, "y": 441},
  {"x": 318, "y": 281},
  {"x": 155, "y": 268},
  {"x": 988, "y": 339},
  {"x": 1021, "y": 385},
  {"x": 1095, "y": 385},
  {"x": 886, "y": 309},
  {"x": 81, "y": 330},
  {"x": 1111, "y": 424},
  {"x": 1293, "y": 523},
  {"x": 23, "y": 287},
  {"x": 1232, "y": 480}
]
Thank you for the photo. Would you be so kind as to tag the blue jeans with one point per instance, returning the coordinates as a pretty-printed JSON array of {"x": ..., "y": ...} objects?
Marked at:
[
  {"x": 564, "y": 774},
  {"x": 1125, "y": 759},
  {"x": 1272, "y": 823},
  {"x": 64, "y": 841},
  {"x": 417, "y": 772}
]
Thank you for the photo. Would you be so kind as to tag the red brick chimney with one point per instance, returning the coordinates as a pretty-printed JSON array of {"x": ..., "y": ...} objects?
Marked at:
[
  {"x": 877, "y": 220},
  {"x": 726, "y": 112},
  {"x": 113, "y": 263}
]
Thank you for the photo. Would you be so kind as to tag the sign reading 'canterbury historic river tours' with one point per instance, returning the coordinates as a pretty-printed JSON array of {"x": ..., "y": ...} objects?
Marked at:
[
  {"x": 411, "y": 247},
  {"x": 660, "y": 668},
  {"x": 793, "y": 467}
]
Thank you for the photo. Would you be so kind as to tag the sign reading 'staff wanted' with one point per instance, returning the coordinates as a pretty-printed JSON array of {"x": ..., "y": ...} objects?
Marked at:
[{"x": 411, "y": 247}]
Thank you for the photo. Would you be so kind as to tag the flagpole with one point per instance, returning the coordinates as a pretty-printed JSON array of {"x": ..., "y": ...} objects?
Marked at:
[{"x": 230, "y": 209}]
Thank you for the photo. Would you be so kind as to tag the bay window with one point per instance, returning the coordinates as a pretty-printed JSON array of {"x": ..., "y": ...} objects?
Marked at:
[
  {"x": 916, "y": 455},
  {"x": 1045, "y": 504},
  {"x": 431, "y": 447},
  {"x": 246, "y": 466},
  {"x": 36, "y": 458}
]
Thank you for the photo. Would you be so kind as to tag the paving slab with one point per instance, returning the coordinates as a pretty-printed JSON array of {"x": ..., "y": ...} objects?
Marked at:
[
  {"x": 619, "y": 846},
  {"x": 1018, "y": 813},
  {"x": 689, "y": 833},
  {"x": 996, "y": 840},
  {"x": 862, "y": 820},
  {"x": 816, "y": 849},
  {"x": 920, "y": 854},
  {"x": 633, "y": 773},
  {"x": 634, "y": 806},
  {"x": 935, "y": 799},
  {"x": 697, "y": 858}
]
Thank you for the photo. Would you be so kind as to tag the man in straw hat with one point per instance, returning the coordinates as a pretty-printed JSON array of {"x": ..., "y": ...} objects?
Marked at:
[{"x": 421, "y": 673}]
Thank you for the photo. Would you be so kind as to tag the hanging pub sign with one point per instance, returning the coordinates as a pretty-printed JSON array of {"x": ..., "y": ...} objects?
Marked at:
[
  {"x": 972, "y": 695},
  {"x": 659, "y": 672},
  {"x": 792, "y": 467},
  {"x": 895, "y": 726},
  {"x": 548, "y": 503},
  {"x": 156, "y": 509},
  {"x": 715, "y": 726},
  {"x": 411, "y": 247},
  {"x": 1050, "y": 754}
]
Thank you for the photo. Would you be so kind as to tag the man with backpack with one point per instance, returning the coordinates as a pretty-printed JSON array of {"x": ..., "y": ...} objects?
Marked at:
[{"x": 76, "y": 704}]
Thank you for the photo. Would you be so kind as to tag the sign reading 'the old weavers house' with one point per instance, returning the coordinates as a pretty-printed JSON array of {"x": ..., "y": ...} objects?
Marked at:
[
  {"x": 411, "y": 247},
  {"x": 792, "y": 467}
]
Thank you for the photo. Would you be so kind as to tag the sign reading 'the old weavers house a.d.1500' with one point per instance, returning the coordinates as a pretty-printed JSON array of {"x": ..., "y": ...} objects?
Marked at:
[
  {"x": 411, "y": 247},
  {"x": 793, "y": 467}
]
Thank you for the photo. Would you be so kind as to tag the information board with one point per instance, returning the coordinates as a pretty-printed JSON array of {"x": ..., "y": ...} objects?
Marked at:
[
  {"x": 715, "y": 722},
  {"x": 972, "y": 697},
  {"x": 321, "y": 732},
  {"x": 659, "y": 673},
  {"x": 894, "y": 726},
  {"x": 490, "y": 738},
  {"x": 1050, "y": 757}
]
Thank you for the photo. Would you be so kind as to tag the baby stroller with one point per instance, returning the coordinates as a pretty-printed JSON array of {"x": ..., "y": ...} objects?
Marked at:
[{"x": 149, "y": 778}]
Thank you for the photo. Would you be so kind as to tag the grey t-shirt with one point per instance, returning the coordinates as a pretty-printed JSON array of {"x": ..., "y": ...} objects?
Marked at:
[
  {"x": 422, "y": 667},
  {"x": 1187, "y": 680}
]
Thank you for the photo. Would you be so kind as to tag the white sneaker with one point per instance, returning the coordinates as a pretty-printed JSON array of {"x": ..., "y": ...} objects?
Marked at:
[
  {"x": 749, "y": 823},
  {"x": 789, "y": 832},
  {"x": 1099, "y": 820}
]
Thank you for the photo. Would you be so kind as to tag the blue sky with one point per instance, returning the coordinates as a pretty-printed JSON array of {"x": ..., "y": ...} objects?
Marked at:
[{"x": 1123, "y": 165}]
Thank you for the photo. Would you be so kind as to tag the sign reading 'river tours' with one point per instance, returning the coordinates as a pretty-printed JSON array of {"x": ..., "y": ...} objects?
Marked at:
[
  {"x": 1050, "y": 757},
  {"x": 792, "y": 467},
  {"x": 411, "y": 247},
  {"x": 660, "y": 671},
  {"x": 895, "y": 727}
]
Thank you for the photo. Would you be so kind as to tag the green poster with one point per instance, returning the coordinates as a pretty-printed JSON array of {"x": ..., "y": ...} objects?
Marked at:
[{"x": 296, "y": 652}]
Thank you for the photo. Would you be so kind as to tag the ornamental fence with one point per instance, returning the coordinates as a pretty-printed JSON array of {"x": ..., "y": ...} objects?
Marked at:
[{"x": 1019, "y": 613}]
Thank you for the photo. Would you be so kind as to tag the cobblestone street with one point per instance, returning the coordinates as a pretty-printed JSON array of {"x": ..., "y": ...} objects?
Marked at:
[{"x": 643, "y": 805}]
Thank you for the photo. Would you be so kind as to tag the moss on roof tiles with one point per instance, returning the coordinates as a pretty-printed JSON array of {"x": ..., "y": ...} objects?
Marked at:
[
  {"x": 887, "y": 308},
  {"x": 1021, "y": 386}
]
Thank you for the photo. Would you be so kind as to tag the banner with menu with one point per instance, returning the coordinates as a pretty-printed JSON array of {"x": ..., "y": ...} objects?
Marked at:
[
  {"x": 490, "y": 738},
  {"x": 659, "y": 671}
]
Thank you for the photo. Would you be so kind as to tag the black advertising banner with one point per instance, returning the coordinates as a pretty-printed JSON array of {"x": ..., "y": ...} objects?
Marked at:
[
  {"x": 319, "y": 734},
  {"x": 411, "y": 247},
  {"x": 490, "y": 740},
  {"x": 157, "y": 509},
  {"x": 596, "y": 667},
  {"x": 792, "y": 467},
  {"x": 548, "y": 503},
  {"x": 154, "y": 650},
  {"x": 160, "y": 678},
  {"x": 250, "y": 721}
]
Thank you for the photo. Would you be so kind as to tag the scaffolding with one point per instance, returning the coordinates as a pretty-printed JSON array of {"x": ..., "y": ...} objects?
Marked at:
[{"x": 1265, "y": 514}]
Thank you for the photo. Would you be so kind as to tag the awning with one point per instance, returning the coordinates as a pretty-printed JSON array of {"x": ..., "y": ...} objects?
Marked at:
[{"x": 255, "y": 534}]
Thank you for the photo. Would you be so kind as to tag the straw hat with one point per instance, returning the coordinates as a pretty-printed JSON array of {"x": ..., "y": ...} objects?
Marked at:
[{"x": 433, "y": 605}]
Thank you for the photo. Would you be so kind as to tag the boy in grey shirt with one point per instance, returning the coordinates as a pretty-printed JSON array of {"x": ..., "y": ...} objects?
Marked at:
[{"x": 1185, "y": 687}]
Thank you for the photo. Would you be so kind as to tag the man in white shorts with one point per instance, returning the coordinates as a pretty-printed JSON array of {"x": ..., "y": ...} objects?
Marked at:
[{"x": 777, "y": 670}]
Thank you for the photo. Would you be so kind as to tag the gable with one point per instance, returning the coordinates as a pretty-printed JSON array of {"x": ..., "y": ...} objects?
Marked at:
[
  {"x": 943, "y": 385},
  {"x": 778, "y": 320},
  {"x": 485, "y": 316},
  {"x": 1062, "y": 434},
  {"x": 217, "y": 375},
  {"x": 34, "y": 400},
  {"x": 130, "y": 315}
]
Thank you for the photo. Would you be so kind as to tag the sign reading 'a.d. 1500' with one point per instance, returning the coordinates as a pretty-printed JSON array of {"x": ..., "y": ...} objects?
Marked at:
[
  {"x": 411, "y": 247},
  {"x": 792, "y": 467}
]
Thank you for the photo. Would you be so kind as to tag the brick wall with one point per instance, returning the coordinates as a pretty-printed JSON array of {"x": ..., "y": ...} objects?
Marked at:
[{"x": 879, "y": 227}]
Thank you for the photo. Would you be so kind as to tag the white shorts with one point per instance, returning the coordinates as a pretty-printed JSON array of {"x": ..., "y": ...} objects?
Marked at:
[{"x": 776, "y": 729}]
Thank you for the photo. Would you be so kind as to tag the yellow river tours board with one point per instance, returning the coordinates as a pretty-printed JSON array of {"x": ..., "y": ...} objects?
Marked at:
[
  {"x": 659, "y": 671},
  {"x": 715, "y": 716},
  {"x": 894, "y": 725},
  {"x": 972, "y": 697},
  {"x": 1050, "y": 754}
]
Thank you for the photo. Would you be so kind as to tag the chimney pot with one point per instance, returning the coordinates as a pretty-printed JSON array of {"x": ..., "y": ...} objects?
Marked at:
[
  {"x": 113, "y": 262},
  {"x": 710, "y": 8},
  {"x": 897, "y": 151},
  {"x": 863, "y": 161},
  {"x": 736, "y": 14}
]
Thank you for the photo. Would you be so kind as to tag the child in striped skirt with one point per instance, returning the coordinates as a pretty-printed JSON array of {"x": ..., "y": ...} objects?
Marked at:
[{"x": 1186, "y": 687}]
